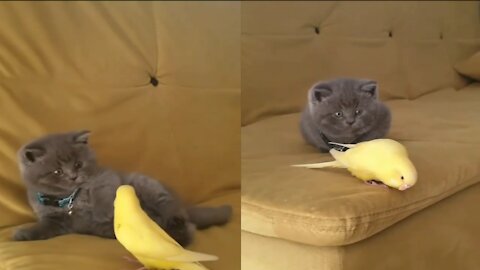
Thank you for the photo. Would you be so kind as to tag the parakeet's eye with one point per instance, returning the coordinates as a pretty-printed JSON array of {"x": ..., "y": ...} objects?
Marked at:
[
  {"x": 58, "y": 172},
  {"x": 401, "y": 177},
  {"x": 338, "y": 114},
  {"x": 357, "y": 112}
]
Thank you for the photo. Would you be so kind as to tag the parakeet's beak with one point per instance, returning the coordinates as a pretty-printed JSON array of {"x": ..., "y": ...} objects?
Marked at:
[{"x": 404, "y": 187}]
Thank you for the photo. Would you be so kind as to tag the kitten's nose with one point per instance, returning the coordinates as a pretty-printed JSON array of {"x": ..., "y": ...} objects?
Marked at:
[
  {"x": 73, "y": 177},
  {"x": 350, "y": 121}
]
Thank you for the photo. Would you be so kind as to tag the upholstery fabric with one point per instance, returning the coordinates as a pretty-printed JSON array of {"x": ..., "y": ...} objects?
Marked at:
[
  {"x": 409, "y": 47},
  {"x": 331, "y": 207},
  {"x": 295, "y": 218},
  {"x": 470, "y": 67},
  {"x": 291, "y": 216},
  {"x": 443, "y": 237},
  {"x": 76, "y": 252},
  {"x": 158, "y": 85}
]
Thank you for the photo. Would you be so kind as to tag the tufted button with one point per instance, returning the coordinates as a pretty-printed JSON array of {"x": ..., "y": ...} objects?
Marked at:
[
  {"x": 153, "y": 81},
  {"x": 390, "y": 33},
  {"x": 441, "y": 35},
  {"x": 317, "y": 30}
]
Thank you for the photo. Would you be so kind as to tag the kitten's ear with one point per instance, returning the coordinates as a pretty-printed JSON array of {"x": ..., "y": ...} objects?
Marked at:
[
  {"x": 32, "y": 153},
  {"x": 370, "y": 88},
  {"x": 81, "y": 136},
  {"x": 319, "y": 93}
]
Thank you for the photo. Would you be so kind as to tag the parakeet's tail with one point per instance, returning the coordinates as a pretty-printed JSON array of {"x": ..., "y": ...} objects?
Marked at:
[
  {"x": 204, "y": 217},
  {"x": 329, "y": 164},
  {"x": 191, "y": 256}
]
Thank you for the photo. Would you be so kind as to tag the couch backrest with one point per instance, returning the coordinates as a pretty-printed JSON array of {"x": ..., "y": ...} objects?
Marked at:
[
  {"x": 157, "y": 83},
  {"x": 409, "y": 47}
]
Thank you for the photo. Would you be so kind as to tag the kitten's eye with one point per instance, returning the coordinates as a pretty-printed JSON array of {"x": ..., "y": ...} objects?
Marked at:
[
  {"x": 338, "y": 114},
  {"x": 78, "y": 165},
  {"x": 58, "y": 172},
  {"x": 357, "y": 112}
]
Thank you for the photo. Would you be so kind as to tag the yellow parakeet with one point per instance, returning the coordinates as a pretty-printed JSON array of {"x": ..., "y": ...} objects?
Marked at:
[
  {"x": 382, "y": 160},
  {"x": 147, "y": 241}
]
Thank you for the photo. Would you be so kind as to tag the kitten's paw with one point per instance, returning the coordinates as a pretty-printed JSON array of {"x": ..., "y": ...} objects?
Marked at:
[
  {"x": 31, "y": 234},
  {"x": 181, "y": 230},
  {"x": 191, "y": 228},
  {"x": 24, "y": 235},
  {"x": 177, "y": 221},
  {"x": 227, "y": 210}
]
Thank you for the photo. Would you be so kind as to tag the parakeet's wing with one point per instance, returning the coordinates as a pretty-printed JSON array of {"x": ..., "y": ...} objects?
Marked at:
[
  {"x": 143, "y": 237},
  {"x": 152, "y": 241},
  {"x": 356, "y": 166},
  {"x": 140, "y": 243}
]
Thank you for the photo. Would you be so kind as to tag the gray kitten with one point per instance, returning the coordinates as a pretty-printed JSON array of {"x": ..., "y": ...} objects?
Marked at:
[
  {"x": 71, "y": 193},
  {"x": 344, "y": 111}
]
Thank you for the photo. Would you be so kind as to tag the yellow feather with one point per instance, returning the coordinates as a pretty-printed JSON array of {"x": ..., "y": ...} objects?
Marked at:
[
  {"x": 383, "y": 160},
  {"x": 147, "y": 241}
]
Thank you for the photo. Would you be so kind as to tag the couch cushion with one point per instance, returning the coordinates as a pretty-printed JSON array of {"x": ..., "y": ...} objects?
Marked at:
[
  {"x": 444, "y": 236},
  {"x": 75, "y": 251},
  {"x": 122, "y": 43},
  {"x": 156, "y": 82},
  {"x": 470, "y": 67},
  {"x": 133, "y": 129},
  {"x": 331, "y": 207},
  {"x": 88, "y": 65},
  {"x": 409, "y": 47}
]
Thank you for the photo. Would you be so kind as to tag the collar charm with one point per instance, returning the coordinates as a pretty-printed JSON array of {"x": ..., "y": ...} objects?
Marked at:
[{"x": 66, "y": 202}]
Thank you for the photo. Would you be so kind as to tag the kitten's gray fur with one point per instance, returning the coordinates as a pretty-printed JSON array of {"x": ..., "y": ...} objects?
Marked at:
[
  {"x": 363, "y": 116},
  {"x": 93, "y": 206}
]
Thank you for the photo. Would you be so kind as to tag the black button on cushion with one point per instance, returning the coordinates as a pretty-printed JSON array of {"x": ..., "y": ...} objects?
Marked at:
[{"x": 153, "y": 81}]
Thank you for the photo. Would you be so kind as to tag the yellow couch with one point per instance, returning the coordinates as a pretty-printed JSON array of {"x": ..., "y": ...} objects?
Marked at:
[
  {"x": 157, "y": 83},
  {"x": 295, "y": 218}
]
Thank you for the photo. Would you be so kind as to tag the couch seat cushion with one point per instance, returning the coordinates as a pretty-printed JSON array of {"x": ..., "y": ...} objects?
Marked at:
[
  {"x": 90, "y": 252},
  {"x": 331, "y": 207},
  {"x": 440, "y": 237},
  {"x": 470, "y": 67}
]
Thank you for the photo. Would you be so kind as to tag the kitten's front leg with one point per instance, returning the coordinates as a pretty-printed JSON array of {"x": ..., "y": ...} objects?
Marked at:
[
  {"x": 102, "y": 198},
  {"x": 44, "y": 229}
]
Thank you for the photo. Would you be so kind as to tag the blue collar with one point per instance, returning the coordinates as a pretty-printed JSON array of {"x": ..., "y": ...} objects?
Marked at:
[{"x": 57, "y": 202}]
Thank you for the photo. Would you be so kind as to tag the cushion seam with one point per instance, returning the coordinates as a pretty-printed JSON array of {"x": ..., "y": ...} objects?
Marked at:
[
  {"x": 396, "y": 210},
  {"x": 343, "y": 228}
]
